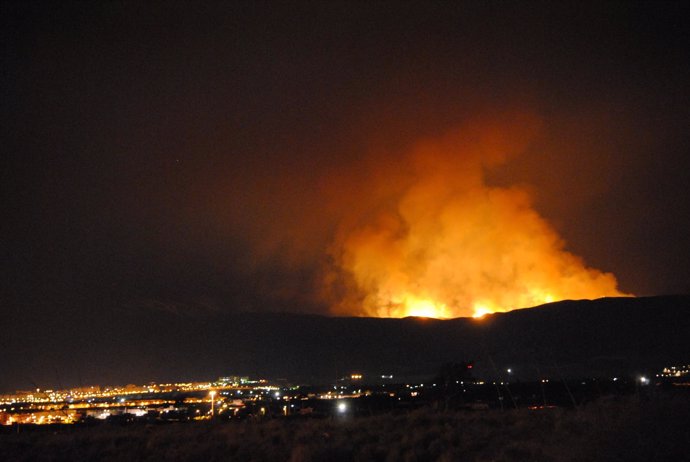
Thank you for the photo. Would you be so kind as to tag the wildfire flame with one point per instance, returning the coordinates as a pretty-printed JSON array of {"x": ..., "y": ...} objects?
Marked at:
[{"x": 443, "y": 243}]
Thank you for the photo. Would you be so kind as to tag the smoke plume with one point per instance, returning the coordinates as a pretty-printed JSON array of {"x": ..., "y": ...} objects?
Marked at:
[{"x": 426, "y": 234}]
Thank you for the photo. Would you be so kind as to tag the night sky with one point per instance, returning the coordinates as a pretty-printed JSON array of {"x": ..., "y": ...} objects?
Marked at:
[{"x": 206, "y": 156}]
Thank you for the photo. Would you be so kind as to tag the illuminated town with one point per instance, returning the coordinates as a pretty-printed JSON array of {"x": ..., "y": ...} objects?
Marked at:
[{"x": 241, "y": 397}]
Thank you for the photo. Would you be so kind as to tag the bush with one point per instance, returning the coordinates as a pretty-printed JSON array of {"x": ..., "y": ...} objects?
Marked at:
[{"x": 620, "y": 429}]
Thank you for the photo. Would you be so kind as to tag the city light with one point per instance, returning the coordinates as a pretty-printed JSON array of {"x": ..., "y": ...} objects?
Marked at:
[
  {"x": 255, "y": 398},
  {"x": 212, "y": 394}
]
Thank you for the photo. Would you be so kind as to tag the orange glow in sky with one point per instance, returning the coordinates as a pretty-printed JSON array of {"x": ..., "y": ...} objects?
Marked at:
[{"x": 445, "y": 243}]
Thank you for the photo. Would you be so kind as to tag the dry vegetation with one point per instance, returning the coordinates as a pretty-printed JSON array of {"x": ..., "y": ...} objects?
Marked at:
[{"x": 620, "y": 429}]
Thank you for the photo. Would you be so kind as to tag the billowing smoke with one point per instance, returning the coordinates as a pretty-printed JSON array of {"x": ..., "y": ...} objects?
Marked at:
[{"x": 427, "y": 235}]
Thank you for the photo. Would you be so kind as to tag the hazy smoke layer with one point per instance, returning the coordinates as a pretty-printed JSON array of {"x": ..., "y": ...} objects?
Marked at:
[{"x": 426, "y": 234}]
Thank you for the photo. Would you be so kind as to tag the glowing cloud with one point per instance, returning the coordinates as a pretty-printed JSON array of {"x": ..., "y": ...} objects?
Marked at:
[{"x": 441, "y": 242}]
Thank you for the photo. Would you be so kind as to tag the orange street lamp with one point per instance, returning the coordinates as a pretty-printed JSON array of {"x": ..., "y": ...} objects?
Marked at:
[{"x": 212, "y": 393}]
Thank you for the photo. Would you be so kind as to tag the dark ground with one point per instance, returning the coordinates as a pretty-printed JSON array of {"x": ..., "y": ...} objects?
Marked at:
[
  {"x": 627, "y": 428},
  {"x": 610, "y": 337}
]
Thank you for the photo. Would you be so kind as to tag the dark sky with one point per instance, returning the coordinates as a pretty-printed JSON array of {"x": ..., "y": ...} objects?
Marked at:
[{"x": 184, "y": 153}]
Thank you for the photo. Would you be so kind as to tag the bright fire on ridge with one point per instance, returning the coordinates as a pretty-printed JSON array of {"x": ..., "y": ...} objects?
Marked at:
[
  {"x": 412, "y": 306},
  {"x": 424, "y": 308},
  {"x": 438, "y": 241}
]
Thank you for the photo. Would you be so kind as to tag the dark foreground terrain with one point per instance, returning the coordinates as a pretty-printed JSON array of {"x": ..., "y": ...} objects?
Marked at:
[{"x": 627, "y": 428}]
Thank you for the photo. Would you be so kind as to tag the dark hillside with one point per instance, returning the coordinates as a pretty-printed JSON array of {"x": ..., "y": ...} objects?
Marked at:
[{"x": 571, "y": 338}]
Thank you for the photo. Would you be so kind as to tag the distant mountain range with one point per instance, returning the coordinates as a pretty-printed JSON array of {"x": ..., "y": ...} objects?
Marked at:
[{"x": 604, "y": 337}]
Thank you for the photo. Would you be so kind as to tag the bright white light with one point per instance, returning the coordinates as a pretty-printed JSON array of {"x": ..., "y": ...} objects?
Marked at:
[
  {"x": 481, "y": 310},
  {"x": 510, "y": 371},
  {"x": 644, "y": 380},
  {"x": 342, "y": 407}
]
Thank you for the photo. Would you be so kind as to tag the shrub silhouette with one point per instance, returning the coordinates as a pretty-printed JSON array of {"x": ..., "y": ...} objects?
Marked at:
[{"x": 609, "y": 429}]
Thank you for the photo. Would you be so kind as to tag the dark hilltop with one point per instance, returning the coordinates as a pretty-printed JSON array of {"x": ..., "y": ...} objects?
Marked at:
[{"x": 599, "y": 338}]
